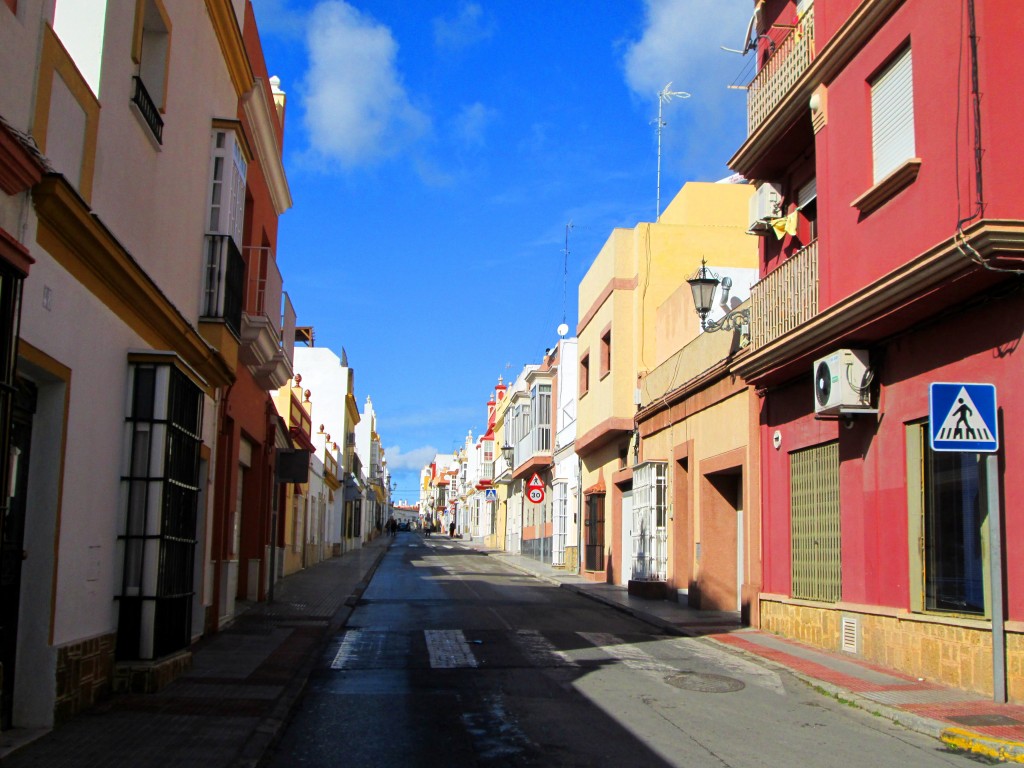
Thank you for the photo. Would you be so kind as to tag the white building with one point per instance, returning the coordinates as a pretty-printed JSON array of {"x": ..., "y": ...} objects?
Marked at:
[{"x": 332, "y": 381}]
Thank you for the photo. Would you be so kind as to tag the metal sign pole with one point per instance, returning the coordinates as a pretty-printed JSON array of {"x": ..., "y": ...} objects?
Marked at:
[{"x": 996, "y": 564}]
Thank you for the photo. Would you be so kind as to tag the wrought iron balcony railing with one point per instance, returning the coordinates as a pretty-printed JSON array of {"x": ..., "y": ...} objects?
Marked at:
[
  {"x": 148, "y": 110},
  {"x": 225, "y": 277},
  {"x": 785, "y": 298}
]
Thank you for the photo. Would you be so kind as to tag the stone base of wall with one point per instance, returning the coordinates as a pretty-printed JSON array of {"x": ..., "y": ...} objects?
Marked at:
[
  {"x": 572, "y": 559},
  {"x": 946, "y": 653},
  {"x": 84, "y": 675},
  {"x": 150, "y": 676}
]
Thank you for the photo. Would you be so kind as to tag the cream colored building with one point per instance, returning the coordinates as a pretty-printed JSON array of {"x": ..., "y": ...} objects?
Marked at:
[
  {"x": 635, "y": 314},
  {"x": 119, "y": 391}
]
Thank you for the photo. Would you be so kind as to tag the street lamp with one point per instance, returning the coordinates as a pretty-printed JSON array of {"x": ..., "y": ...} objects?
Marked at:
[
  {"x": 703, "y": 284},
  {"x": 508, "y": 453}
]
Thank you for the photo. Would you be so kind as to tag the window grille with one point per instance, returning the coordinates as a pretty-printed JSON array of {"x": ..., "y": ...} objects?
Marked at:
[
  {"x": 814, "y": 521},
  {"x": 158, "y": 516},
  {"x": 561, "y": 522},
  {"x": 650, "y": 532},
  {"x": 594, "y": 523}
]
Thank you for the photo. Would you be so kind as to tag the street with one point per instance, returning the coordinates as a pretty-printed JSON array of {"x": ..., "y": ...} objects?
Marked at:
[{"x": 453, "y": 658}]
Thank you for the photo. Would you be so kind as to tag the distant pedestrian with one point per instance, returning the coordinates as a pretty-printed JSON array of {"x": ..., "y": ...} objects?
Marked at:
[{"x": 451, "y": 530}]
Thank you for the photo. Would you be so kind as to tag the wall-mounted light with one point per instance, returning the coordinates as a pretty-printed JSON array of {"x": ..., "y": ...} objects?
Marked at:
[
  {"x": 508, "y": 453},
  {"x": 703, "y": 285}
]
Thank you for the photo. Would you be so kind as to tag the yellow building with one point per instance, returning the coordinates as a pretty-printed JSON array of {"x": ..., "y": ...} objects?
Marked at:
[{"x": 636, "y": 313}]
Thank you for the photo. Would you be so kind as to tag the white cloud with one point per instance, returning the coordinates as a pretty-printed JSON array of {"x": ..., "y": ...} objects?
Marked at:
[
  {"x": 470, "y": 26},
  {"x": 415, "y": 459},
  {"x": 470, "y": 125},
  {"x": 680, "y": 43},
  {"x": 357, "y": 111}
]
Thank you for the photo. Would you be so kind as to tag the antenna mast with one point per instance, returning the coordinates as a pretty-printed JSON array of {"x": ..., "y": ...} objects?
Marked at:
[
  {"x": 565, "y": 268},
  {"x": 664, "y": 96}
]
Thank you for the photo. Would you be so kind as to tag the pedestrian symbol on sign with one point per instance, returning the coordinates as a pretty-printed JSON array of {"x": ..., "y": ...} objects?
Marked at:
[{"x": 963, "y": 417}]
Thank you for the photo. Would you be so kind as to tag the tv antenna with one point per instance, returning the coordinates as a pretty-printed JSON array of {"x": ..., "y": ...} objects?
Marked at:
[
  {"x": 664, "y": 96},
  {"x": 565, "y": 270}
]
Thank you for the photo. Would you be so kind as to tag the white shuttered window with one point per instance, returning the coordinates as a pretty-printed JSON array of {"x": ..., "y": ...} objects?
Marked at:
[{"x": 892, "y": 117}]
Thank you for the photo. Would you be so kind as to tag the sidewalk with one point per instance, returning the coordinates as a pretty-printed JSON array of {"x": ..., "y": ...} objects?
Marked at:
[
  {"x": 228, "y": 709},
  {"x": 962, "y": 720}
]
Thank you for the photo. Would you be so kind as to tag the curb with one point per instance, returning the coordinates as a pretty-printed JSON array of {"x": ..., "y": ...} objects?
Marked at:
[
  {"x": 998, "y": 749},
  {"x": 956, "y": 738},
  {"x": 270, "y": 729}
]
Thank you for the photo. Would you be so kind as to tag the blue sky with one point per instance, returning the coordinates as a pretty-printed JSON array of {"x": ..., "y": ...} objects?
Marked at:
[{"x": 437, "y": 151}]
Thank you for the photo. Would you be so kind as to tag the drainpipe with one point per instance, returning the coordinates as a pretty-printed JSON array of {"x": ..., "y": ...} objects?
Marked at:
[{"x": 579, "y": 515}]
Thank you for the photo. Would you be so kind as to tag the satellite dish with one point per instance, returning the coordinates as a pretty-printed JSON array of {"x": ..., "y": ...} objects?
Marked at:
[{"x": 563, "y": 329}]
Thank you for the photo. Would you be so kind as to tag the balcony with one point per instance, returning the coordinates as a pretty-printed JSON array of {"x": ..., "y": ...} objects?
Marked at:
[
  {"x": 299, "y": 424},
  {"x": 791, "y": 57},
  {"x": 225, "y": 273},
  {"x": 330, "y": 464},
  {"x": 785, "y": 298},
  {"x": 260, "y": 335},
  {"x": 148, "y": 110}
]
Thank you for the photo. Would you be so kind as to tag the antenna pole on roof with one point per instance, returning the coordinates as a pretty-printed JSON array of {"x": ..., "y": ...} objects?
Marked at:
[{"x": 664, "y": 96}]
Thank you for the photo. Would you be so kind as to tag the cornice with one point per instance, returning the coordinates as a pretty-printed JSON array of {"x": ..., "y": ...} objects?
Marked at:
[
  {"x": 20, "y": 164},
  {"x": 263, "y": 121},
  {"x": 80, "y": 243},
  {"x": 232, "y": 45},
  {"x": 928, "y": 271},
  {"x": 604, "y": 433},
  {"x": 615, "y": 284},
  {"x": 860, "y": 27}
]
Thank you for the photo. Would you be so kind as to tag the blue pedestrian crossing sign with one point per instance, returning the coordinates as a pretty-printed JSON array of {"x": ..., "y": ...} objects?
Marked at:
[
  {"x": 962, "y": 417},
  {"x": 490, "y": 495}
]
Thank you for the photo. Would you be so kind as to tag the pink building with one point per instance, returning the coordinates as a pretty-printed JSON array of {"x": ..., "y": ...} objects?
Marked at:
[{"x": 892, "y": 223}]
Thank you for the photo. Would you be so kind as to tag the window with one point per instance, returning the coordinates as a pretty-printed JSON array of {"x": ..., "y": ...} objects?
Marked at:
[
  {"x": 228, "y": 169},
  {"x": 606, "y": 352},
  {"x": 225, "y": 267},
  {"x": 540, "y": 414},
  {"x": 151, "y": 49},
  {"x": 892, "y": 116},
  {"x": 488, "y": 446},
  {"x": 807, "y": 205},
  {"x": 584, "y": 373},
  {"x": 814, "y": 523},
  {"x": 560, "y": 491},
  {"x": 650, "y": 532},
  {"x": 159, "y": 507},
  {"x": 948, "y": 524}
]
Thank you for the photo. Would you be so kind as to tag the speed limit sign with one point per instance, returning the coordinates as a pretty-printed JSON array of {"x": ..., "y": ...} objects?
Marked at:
[{"x": 536, "y": 495}]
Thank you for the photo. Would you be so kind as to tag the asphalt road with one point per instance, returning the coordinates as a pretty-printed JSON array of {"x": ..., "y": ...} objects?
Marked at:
[{"x": 453, "y": 658}]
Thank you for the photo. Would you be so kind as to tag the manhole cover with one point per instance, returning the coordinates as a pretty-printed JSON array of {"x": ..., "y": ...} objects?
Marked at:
[
  {"x": 705, "y": 683},
  {"x": 983, "y": 720}
]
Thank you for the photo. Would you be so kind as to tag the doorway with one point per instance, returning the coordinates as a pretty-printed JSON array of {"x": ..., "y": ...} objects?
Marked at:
[{"x": 12, "y": 540}]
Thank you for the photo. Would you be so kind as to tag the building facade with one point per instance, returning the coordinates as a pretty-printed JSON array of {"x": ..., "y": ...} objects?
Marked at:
[
  {"x": 881, "y": 133},
  {"x": 634, "y": 313}
]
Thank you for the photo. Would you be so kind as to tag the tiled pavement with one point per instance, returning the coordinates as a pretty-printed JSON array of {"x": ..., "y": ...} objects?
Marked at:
[
  {"x": 228, "y": 709},
  {"x": 246, "y": 680}
]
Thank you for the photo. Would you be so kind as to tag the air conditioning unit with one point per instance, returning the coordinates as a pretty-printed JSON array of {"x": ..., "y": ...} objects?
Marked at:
[
  {"x": 842, "y": 382},
  {"x": 765, "y": 204}
]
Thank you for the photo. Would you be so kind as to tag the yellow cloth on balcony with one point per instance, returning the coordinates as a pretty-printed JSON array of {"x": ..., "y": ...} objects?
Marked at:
[{"x": 784, "y": 226}]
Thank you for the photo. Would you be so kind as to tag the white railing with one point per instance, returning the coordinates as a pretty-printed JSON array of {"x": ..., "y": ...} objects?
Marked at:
[
  {"x": 790, "y": 59},
  {"x": 785, "y": 298}
]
